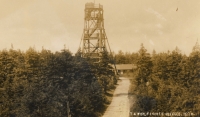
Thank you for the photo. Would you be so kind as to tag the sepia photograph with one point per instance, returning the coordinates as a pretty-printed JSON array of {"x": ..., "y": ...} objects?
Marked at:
[{"x": 99, "y": 58}]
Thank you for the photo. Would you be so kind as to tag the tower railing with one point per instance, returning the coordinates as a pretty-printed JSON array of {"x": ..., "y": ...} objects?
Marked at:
[{"x": 92, "y": 5}]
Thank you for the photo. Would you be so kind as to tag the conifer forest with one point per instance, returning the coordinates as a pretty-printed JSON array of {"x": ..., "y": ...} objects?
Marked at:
[
  {"x": 46, "y": 84},
  {"x": 60, "y": 84},
  {"x": 167, "y": 82}
]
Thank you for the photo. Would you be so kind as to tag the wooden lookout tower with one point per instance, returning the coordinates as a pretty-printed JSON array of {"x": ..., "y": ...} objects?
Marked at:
[{"x": 94, "y": 40}]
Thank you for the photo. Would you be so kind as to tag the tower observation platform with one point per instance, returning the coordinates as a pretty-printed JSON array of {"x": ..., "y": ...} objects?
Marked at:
[{"x": 92, "y": 5}]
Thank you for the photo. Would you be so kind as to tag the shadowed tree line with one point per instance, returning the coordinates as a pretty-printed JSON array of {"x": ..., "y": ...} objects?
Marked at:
[
  {"x": 46, "y": 84},
  {"x": 125, "y": 57},
  {"x": 167, "y": 82}
]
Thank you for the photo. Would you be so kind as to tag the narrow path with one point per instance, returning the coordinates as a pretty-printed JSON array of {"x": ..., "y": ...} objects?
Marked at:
[{"x": 119, "y": 106}]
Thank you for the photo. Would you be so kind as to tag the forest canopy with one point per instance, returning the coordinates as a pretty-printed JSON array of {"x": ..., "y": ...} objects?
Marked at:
[
  {"x": 46, "y": 84},
  {"x": 167, "y": 82}
]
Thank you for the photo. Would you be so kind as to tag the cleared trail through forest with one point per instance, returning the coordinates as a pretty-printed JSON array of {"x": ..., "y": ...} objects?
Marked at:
[{"x": 119, "y": 106}]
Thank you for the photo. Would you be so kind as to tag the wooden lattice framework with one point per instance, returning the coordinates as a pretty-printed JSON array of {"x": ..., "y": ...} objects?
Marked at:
[{"x": 94, "y": 40}]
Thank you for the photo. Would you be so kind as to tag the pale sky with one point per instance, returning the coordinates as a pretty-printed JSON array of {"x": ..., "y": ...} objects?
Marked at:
[{"x": 158, "y": 24}]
